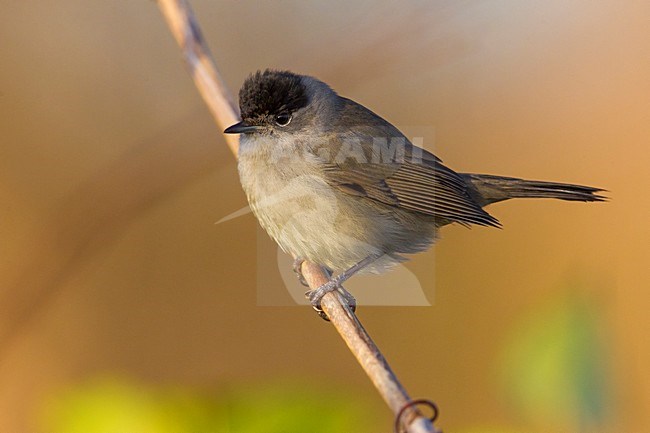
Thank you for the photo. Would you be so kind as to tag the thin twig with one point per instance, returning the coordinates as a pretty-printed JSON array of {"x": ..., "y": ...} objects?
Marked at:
[
  {"x": 187, "y": 33},
  {"x": 185, "y": 29}
]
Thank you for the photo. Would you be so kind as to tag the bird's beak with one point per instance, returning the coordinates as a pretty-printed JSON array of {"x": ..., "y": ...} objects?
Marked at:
[{"x": 241, "y": 128}]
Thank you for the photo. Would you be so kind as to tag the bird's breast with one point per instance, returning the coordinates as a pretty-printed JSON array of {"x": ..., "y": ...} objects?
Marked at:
[
  {"x": 309, "y": 218},
  {"x": 286, "y": 193}
]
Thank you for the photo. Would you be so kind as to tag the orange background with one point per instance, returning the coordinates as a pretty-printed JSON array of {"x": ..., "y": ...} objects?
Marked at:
[{"x": 112, "y": 175}]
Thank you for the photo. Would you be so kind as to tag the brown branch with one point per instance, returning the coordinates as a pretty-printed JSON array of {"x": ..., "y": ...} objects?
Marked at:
[{"x": 185, "y": 29}]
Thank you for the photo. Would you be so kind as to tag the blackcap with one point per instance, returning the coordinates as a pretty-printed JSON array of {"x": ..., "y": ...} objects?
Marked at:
[{"x": 333, "y": 183}]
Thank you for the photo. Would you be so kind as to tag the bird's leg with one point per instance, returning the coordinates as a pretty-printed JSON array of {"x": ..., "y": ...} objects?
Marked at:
[
  {"x": 334, "y": 283},
  {"x": 297, "y": 269}
]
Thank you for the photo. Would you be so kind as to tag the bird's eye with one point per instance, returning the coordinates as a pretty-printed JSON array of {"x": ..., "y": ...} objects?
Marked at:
[{"x": 283, "y": 119}]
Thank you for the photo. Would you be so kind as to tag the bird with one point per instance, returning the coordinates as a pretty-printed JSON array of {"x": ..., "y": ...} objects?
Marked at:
[{"x": 336, "y": 184}]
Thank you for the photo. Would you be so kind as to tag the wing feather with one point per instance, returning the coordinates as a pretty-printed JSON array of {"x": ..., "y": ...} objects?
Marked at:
[{"x": 419, "y": 184}]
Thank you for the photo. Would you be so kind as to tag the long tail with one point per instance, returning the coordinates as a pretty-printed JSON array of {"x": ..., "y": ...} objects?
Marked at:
[{"x": 487, "y": 189}]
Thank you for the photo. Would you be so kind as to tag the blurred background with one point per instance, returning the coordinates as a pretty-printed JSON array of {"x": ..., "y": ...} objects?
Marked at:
[{"x": 124, "y": 308}]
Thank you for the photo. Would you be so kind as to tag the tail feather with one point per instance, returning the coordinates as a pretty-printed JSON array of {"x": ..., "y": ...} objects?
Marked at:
[{"x": 487, "y": 189}]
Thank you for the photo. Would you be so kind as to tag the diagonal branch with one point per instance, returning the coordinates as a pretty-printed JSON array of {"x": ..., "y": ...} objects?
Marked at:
[{"x": 186, "y": 31}]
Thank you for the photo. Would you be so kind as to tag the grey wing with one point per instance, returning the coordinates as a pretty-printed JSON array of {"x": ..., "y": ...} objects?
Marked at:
[
  {"x": 413, "y": 179},
  {"x": 435, "y": 190}
]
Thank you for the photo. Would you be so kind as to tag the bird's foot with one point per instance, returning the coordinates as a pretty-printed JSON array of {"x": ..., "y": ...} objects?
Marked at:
[
  {"x": 315, "y": 297},
  {"x": 348, "y": 298}
]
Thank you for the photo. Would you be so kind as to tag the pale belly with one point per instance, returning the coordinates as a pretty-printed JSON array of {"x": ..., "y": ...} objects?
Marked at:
[
  {"x": 304, "y": 216},
  {"x": 310, "y": 219}
]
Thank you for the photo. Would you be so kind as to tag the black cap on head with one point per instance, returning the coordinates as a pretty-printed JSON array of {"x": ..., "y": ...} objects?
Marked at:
[{"x": 271, "y": 92}]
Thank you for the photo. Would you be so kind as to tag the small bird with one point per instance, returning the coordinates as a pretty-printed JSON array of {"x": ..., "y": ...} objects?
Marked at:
[{"x": 335, "y": 184}]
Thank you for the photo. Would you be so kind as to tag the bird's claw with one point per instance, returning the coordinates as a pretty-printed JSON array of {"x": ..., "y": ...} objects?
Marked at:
[{"x": 315, "y": 297}]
